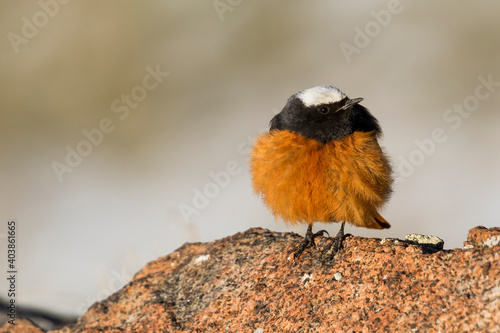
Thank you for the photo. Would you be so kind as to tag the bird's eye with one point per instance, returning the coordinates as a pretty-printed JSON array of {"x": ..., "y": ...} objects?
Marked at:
[{"x": 324, "y": 109}]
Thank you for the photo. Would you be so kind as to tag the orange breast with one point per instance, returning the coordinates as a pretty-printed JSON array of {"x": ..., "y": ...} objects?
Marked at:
[{"x": 304, "y": 181}]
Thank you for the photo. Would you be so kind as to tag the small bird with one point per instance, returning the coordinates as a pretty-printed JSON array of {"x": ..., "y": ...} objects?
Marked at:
[{"x": 321, "y": 162}]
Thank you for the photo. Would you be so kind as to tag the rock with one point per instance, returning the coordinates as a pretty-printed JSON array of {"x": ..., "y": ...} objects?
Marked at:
[
  {"x": 249, "y": 283},
  {"x": 21, "y": 326},
  {"x": 426, "y": 240},
  {"x": 481, "y": 236}
]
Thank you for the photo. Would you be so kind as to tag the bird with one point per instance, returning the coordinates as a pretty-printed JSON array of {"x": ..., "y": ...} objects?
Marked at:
[{"x": 321, "y": 162}]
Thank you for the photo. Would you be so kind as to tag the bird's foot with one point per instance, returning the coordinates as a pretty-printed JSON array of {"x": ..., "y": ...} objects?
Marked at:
[
  {"x": 308, "y": 241},
  {"x": 333, "y": 248}
]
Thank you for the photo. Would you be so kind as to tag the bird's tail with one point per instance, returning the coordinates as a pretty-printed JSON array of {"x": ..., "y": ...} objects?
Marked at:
[{"x": 381, "y": 222}]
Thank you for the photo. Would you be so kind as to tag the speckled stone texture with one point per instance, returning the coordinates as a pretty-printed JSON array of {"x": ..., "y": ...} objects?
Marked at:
[
  {"x": 481, "y": 236},
  {"x": 22, "y": 326},
  {"x": 249, "y": 283}
]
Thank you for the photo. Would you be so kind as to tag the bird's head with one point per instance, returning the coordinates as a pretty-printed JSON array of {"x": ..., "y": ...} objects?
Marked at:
[{"x": 324, "y": 113}]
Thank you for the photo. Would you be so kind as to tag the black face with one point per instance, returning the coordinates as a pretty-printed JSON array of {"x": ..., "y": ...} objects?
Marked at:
[{"x": 324, "y": 122}]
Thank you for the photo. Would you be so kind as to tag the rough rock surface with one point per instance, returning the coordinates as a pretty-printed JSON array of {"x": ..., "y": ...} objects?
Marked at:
[
  {"x": 22, "y": 326},
  {"x": 249, "y": 283}
]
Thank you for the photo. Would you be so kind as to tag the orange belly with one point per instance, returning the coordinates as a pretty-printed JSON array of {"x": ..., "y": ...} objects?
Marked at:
[{"x": 304, "y": 181}]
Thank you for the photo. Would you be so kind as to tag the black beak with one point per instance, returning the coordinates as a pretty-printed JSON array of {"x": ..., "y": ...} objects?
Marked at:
[{"x": 350, "y": 103}]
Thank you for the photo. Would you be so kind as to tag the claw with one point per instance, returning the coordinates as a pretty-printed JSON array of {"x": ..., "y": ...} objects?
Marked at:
[
  {"x": 321, "y": 233},
  {"x": 308, "y": 241},
  {"x": 336, "y": 245}
]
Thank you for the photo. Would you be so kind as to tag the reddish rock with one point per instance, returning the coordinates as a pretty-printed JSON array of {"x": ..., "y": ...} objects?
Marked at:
[
  {"x": 248, "y": 283},
  {"x": 481, "y": 236},
  {"x": 21, "y": 326}
]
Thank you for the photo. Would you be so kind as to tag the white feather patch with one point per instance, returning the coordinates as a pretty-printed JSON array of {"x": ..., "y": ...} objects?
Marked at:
[{"x": 320, "y": 95}]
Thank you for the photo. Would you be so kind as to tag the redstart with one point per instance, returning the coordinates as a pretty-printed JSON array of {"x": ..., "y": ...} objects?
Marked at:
[{"x": 321, "y": 162}]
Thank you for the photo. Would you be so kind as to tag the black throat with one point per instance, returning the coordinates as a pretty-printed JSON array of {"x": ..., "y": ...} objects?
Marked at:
[{"x": 334, "y": 124}]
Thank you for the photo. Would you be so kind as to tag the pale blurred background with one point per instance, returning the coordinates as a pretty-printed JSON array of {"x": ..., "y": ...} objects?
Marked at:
[{"x": 232, "y": 66}]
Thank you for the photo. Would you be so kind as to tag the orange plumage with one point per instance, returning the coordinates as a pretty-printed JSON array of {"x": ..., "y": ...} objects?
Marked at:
[{"x": 303, "y": 180}]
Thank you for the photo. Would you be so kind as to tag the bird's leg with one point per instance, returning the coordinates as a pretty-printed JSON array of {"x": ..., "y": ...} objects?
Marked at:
[
  {"x": 308, "y": 241},
  {"x": 337, "y": 243}
]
